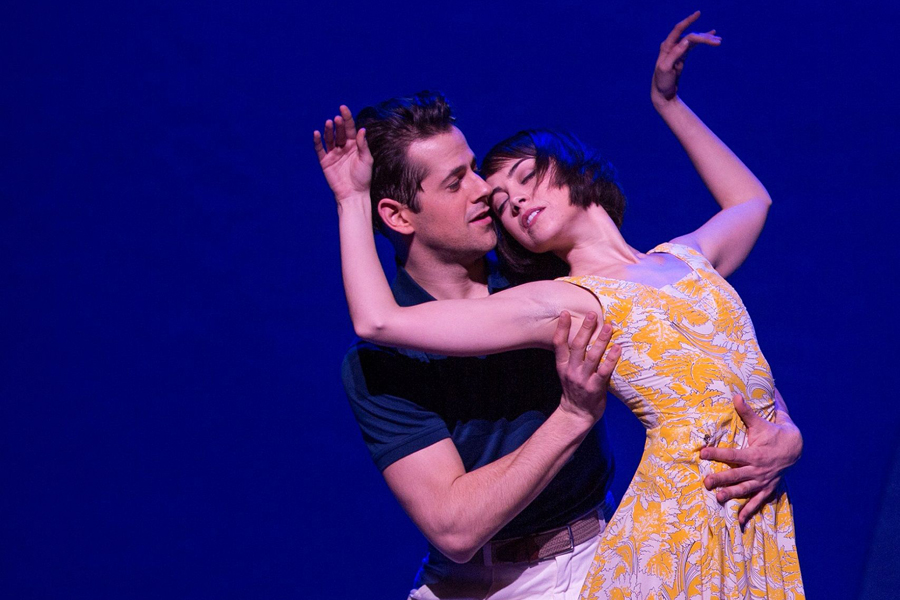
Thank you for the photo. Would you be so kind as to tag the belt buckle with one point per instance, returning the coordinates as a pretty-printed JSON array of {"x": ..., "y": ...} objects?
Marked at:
[
  {"x": 569, "y": 543},
  {"x": 566, "y": 550},
  {"x": 529, "y": 549}
]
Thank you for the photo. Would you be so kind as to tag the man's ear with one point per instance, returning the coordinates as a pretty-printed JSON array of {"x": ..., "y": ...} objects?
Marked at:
[{"x": 395, "y": 215}]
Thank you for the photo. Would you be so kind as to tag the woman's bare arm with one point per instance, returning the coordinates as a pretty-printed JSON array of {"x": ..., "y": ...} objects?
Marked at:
[
  {"x": 521, "y": 317},
  {"x": 727, "y": 238}
]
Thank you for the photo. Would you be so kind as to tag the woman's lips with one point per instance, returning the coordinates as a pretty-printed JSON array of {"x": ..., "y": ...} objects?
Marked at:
[{"x": 528, "y": 217}]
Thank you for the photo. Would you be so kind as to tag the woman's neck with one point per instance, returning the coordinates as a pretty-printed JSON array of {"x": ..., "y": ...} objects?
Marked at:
[{"x": 599, "y": 249}]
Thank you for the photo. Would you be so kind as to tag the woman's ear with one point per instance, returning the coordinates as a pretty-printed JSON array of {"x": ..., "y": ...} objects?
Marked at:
[{"x": 395, "y": 215}]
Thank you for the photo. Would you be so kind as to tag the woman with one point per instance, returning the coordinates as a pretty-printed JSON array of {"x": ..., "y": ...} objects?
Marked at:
[{"x": 686, "y": 340}]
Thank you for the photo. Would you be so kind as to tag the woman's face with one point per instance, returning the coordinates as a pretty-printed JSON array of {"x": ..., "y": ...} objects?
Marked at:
[{"x": 535, "y": 214}]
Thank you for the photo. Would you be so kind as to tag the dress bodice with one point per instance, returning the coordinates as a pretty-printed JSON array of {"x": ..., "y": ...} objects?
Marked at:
[{"x": 686, "y": 347}]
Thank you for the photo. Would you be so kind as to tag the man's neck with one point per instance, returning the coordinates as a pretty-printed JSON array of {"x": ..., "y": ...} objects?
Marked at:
[{"x": 449, "y": 280}]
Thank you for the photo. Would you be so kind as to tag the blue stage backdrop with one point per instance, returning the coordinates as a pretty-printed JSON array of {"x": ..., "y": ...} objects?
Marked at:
[{"x": 173, "y": 423}]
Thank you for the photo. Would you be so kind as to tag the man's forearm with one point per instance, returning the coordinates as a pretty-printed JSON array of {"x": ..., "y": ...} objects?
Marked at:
[{"x": 483, "y": 501}]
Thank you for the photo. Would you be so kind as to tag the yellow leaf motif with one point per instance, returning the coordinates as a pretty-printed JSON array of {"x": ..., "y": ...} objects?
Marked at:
[{"x": 685, "y": 349}]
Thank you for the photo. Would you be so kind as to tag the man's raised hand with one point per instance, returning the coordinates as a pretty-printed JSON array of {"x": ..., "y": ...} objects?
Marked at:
[{"x": 344, "y": 156}]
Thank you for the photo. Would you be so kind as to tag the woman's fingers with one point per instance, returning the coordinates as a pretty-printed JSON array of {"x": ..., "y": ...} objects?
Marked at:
[
  {"x": 708, "y": 38},
  {"x": 680, "y": 28},
  {"x": 679, "y": 51}
]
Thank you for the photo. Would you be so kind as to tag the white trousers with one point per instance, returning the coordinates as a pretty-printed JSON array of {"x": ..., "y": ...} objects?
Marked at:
[{"x": 557, "y": 578}]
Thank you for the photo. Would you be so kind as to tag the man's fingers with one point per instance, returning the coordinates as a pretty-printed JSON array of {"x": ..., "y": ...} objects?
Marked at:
[
  {"x": 729, "y": 477},
  {"x": 340, "y": 137},
  {"x": 317, "y": 143},
  {"x": 731, "y": 456},
  {"x": 609, "y": 363},
  {"x": 680, "y": 28},
  {"x": 580, "y": 342},
  {"x": 595, "y": 352},
  {"x": 603, "y": 337},
  {"x": 363, "y": 144},
  {"x": 349, "y": 123},
  {"x": 747, "y": 414},
  {"x": 329, "y": 135},
  {"x": 753, "y": 505},
  {"x": 740, "y": 490},
  {"x": 561, "y": 337}
]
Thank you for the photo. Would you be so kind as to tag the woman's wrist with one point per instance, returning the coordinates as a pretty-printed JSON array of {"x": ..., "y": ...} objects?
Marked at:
[{"x": 665, "y": 107}]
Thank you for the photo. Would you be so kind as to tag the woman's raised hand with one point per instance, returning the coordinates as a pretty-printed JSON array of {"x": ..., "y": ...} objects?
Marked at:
[
  {"x": 672, "y": 53},
  {"x": 344, "y": 156}
]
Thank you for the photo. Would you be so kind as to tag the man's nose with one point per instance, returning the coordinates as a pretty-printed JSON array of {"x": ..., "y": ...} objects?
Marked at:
[{"x": 483, "y": 190}]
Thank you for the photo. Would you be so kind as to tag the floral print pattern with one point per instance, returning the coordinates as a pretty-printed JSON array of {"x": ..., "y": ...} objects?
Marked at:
[{"x": 686, "y": 349}]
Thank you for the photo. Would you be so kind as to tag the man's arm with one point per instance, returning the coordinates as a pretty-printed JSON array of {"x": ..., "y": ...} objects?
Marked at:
[
  {"x": 757, "y": 469},
  {"x": 458, "y": 511}
]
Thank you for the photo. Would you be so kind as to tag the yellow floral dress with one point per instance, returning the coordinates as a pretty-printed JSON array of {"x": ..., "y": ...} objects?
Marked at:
[{"x": 686, "y": 349}]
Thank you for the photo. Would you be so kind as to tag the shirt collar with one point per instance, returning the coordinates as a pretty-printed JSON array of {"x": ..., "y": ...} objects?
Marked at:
[{"x": 407, "y": 292}]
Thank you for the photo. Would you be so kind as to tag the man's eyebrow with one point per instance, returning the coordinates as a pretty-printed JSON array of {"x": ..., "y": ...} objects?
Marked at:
[
  {"x": 516, "y": 166},
  {"x": 458, "y": 171}
]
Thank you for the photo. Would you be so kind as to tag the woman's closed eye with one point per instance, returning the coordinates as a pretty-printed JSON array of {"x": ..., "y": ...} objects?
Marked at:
[{"x": 499, "y": 200}]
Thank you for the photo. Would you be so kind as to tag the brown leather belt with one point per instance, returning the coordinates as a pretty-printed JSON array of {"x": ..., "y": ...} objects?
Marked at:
[{"x": 540, "y": 546}]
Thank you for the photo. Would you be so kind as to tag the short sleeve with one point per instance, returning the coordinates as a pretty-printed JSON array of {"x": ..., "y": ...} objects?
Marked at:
[{"x": 382, "y": 387}]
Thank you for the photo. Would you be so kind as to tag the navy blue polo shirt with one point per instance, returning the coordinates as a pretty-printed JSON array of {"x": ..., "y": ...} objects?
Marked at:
[{"x": 406, "y": 400}]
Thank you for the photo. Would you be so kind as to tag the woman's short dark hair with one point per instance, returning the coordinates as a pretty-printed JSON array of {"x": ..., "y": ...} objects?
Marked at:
[
  {"x": 591, "y": 179},
  {"x": 391, "y": 126}
]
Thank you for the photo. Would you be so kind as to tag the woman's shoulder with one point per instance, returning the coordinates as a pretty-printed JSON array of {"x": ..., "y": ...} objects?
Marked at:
[{"x": 686, "y": 250}]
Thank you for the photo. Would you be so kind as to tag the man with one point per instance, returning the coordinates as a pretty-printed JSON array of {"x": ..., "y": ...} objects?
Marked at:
[{"x": 489, "y": 456}]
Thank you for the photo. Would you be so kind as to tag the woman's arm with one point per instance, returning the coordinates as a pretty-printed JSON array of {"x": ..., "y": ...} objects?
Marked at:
[
  {"x": 521, "y": 317},
  {"x": 728, "y": 237}
]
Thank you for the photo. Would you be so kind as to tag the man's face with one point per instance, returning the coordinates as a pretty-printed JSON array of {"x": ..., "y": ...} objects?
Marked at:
[{"x": 454, "y": 217}]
